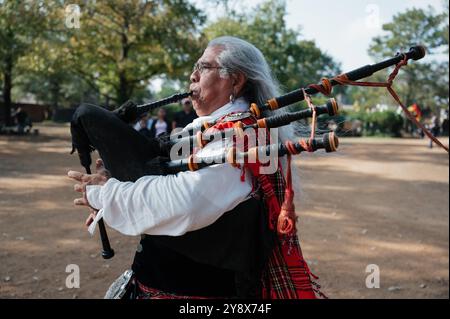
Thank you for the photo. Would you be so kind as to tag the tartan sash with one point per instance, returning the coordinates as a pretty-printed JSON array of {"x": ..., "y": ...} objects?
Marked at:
[{"x": 286, "y": 274}]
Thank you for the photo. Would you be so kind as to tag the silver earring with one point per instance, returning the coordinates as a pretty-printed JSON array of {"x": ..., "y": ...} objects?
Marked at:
[{"x": 232, "y": 96}]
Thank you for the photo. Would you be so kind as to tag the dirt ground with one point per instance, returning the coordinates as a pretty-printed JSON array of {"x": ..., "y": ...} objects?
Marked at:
[{"x": 375, "y": 201}]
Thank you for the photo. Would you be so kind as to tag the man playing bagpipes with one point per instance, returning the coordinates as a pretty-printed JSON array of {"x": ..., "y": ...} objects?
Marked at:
[{"x": 220, "y": 232}]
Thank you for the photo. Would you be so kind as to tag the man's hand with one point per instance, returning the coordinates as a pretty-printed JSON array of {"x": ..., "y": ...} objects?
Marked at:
[{"x": 99, "y": 178}]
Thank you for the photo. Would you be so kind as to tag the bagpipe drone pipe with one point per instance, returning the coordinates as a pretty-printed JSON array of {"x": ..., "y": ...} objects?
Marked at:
[
  {"x": 129, "y": 112},
  {"x": 329, "y": 142}
]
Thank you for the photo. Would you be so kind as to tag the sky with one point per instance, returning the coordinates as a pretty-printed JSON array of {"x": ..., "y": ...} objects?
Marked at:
[{"x": 342, "y": 28}]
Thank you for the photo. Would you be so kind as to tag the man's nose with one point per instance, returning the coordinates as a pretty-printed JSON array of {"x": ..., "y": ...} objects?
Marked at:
[{"x": 195, "y": 76}]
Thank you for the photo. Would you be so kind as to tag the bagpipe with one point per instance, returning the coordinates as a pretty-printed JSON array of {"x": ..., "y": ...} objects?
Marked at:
[
  {"x": 129, "y": 112},
  {"x": 201, "y": 138},
  {"x": 329, "y": 142}
]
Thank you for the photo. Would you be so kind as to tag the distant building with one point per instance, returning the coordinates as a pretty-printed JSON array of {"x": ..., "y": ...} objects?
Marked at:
[{"x": 37, "y": 112}]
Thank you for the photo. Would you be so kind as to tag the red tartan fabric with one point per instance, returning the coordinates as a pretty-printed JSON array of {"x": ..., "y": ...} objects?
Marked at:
[
  {"x": 152, "y": 293},
  {"x": 286, "y": 275}
]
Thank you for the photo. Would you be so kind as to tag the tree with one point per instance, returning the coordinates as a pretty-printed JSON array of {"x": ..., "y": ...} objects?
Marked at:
[
  {"x": 121, "y": 45},
  {"x": 295, "y": 62},
  {"x": 426, "y": 81},
  {"x": 20, "y": 23},
  {"x": 45, "y": 71},
  {"x": 445, "y": 28}
]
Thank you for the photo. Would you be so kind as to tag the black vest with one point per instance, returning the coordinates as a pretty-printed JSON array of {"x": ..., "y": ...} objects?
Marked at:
[{"x": 224, "y": 259}]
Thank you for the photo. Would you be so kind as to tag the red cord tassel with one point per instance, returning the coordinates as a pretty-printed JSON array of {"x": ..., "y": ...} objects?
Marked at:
[{"x": 287, "y": 217}]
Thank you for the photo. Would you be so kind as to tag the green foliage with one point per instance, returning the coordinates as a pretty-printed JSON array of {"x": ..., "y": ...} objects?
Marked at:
[
  {"x": 122, "y": 44},
  {"x": 119, "y": 47},
  {"x": 385, "y": 123},
  {"x": 366, "y": 98},
  {"x": 424, "y": 82},
  {"x": 19, "y": 25},
  {"x": 367, "y": 123},
  {"x": 414, "y": 26},
  {"x": 20, "y": 22},
  {"x": 374, "y": 123},
  {"x": 45, "y": 71},
  {"x": 445, "y": 28},
  {"x": 296, "y": 63}
]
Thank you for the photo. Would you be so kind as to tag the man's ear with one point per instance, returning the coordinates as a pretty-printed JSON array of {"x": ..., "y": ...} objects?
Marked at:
[{"x": 238, "y": 81}]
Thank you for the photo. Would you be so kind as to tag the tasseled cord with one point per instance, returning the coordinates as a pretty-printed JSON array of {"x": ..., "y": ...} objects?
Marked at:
[{"x": 287, "y": 217}]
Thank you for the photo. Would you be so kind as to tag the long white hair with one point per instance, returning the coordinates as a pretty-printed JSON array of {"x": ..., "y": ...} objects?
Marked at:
[{"x": 239, "y": 56}]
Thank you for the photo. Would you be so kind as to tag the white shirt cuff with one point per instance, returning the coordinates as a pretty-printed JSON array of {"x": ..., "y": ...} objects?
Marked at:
[{"x": 93, "y": 196}]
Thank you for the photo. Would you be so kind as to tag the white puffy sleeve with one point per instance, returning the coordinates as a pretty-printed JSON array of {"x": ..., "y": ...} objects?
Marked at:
[{"x": 169, "y": 205}]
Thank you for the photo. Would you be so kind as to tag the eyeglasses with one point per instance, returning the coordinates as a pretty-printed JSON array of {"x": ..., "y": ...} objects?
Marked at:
[{"x": 201, "y": 67}]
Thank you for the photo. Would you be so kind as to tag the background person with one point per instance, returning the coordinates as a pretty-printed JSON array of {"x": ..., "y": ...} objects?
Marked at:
[
  {"x": 184, "y": 117},
  {"x": 160, "y": 125}
]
